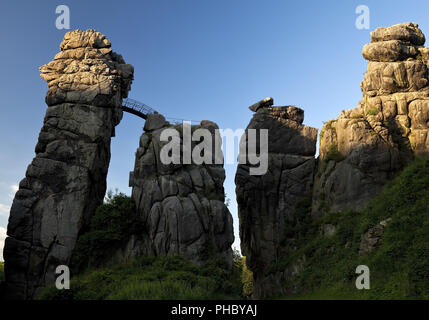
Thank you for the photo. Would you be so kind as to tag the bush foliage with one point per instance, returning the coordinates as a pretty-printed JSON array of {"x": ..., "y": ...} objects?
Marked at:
[
  {"x": 399, "y": 266},
  {"x": 112, "y": 224},
  {"x": 154, "y": 278}
]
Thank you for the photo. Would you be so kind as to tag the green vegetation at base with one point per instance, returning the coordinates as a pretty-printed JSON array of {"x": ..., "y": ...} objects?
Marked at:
[
  {"x": 399, "y": 266},
  {"x": 171, "y": 277},
  {"x": 113, "y": 223}
]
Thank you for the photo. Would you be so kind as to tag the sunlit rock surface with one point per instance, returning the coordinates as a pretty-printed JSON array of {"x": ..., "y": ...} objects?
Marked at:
[{"x": 367, "y": 146}]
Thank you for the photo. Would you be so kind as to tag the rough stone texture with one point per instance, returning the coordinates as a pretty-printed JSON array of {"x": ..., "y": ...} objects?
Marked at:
[
  {"x": 66, "y": 180},
  {"x": 267, "y": 102},
  {"x": 393, "y": 50},
  {"x": 181, "y": 205},
  {"x": 328, "y": 229},
  {"x": 371, "y": 239},
  {"x": 368, "y": 145},
  {"x": 408, "y": 32},
  {"x": 266, "y": 203},
  {"x": 154, "y": 121}
]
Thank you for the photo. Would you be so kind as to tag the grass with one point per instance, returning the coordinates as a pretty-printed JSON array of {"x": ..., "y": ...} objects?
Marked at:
[
  {"x": 2, "y": 283},
  {"x": 399, "y": 266},
  {"x": 150, "y": 278}
]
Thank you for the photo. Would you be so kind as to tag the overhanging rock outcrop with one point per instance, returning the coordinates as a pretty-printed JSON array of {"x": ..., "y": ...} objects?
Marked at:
[
  {"x": 266, "y": 203},
  {"x": 181, "y": 204},
  {"x": 368, "y": 145},
  {"x": 66, "y": 180}
]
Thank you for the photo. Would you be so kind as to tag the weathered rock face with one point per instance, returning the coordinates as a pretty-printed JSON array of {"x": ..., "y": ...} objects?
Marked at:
[
  {"x": 66, "y": 180},
  {"x": 181, "y": 205},
  {"x": 366, "y": 146},
  {"x": 266, "y": 203}
]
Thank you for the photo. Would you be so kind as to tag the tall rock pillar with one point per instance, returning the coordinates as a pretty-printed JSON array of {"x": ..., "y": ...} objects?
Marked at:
[
  {"x": 367, "y": 146},
  {"x": 182, "y": 204},
  {"x": 266, "y": 203},
  {"x": 66, "y": 180}
]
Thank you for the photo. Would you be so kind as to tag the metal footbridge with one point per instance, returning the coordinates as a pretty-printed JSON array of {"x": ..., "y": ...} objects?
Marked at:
[
  {"x": 141, "y": 110},
  {"x": 136, "y": 108}
]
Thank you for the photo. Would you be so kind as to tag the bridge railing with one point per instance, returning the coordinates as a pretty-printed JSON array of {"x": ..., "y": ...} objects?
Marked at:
[
  {"x": 142, "y": 110},
  {"x": 137, "y": 105}
]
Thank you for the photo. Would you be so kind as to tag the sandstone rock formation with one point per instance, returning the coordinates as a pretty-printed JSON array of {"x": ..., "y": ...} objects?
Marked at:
[
  {"x": 367, "y": 146},
  {"x": 181, "y": 205},
  {"x": 266, "y": 203},
  {"x": 66, "y": 180},
  {"x": 359, "y": 152}
]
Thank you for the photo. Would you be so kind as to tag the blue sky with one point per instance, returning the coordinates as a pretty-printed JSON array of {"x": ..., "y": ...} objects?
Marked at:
[{"x": 193, "y": 59}]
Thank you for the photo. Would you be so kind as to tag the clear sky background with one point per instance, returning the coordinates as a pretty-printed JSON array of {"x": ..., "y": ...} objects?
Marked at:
[{"x": 193, "y": 59}]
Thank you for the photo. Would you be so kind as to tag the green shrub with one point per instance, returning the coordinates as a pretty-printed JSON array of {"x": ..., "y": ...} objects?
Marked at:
[{"x": 112, "y": 224}]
